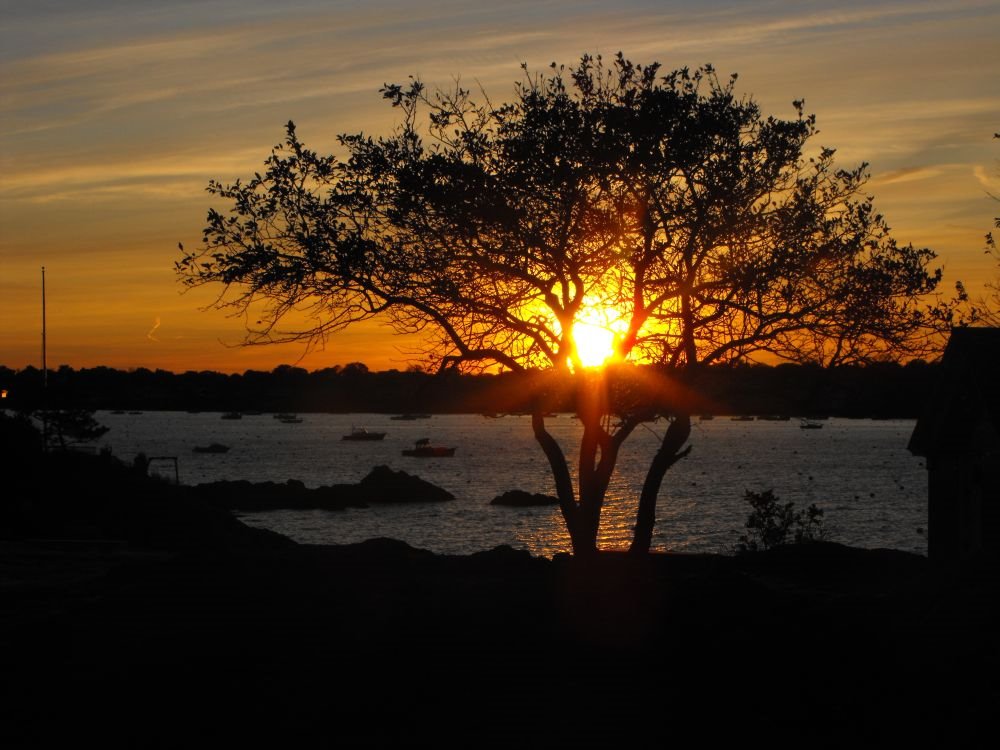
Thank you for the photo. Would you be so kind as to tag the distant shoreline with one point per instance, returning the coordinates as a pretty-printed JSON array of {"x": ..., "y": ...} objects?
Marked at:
[{"x": 875, "y": 391}]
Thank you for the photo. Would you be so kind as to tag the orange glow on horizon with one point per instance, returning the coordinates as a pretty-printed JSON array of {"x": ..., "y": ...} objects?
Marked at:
[{"x": 110, "y": 130}]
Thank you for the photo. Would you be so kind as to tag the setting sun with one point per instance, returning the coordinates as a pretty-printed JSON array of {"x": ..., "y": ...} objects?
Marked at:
[{"x": 594, "y": 335}]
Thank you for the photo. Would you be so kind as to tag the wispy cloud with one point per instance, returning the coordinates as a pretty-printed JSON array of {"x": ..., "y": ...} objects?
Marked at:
[
  {"x": 114, "y": 114},
  {"x": 989, "y": 179},
  {"x": 907, "y": 174},
  {"x": 159, "y": 174}
]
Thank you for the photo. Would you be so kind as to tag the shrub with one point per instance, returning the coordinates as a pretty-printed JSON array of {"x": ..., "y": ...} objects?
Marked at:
[{"x": 772, "y": 523}]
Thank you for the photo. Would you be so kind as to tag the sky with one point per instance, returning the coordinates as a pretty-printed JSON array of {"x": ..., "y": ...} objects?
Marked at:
[{"x": 115, "y": 114}]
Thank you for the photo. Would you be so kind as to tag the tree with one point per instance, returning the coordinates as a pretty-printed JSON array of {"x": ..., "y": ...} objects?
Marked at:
[
  {"x": 662, "y": 213},
  {"x": 65, "y": 428}
]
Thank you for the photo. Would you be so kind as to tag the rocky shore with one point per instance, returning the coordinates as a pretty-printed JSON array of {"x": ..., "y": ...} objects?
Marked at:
[
  {"x": 522, "y": 499},
  {"x": 134, "y": 615},
  {"x": 381, "y": 485}
]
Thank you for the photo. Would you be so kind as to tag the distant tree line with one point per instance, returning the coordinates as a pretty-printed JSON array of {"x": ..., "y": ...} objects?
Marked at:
[{"x": 875, "y": 390}]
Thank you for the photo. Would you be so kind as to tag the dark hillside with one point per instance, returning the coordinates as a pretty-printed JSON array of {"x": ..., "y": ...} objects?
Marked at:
[{"x": 132, "y": 613}]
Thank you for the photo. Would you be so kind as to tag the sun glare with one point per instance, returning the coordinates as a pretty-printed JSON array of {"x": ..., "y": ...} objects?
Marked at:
[{"x": 594, "y": 335}]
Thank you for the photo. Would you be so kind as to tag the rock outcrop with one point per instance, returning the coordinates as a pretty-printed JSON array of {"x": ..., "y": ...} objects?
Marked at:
[
  {"x": 381, "y": 485},
  {"x": 522, "y": 499}
]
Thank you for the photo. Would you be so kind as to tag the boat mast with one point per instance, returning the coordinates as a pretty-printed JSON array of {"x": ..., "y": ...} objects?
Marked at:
[
  {"x": 45, "y": 375},
  {"x": 45, "y": 366}
]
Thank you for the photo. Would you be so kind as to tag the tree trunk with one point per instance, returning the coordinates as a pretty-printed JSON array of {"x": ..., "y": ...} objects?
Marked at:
[
  {"x": 584, "y": 543},
  {"x": 581, "y": 511},
  {"x": 670, "y": 452},
  {"x": 592, "y": 408}
]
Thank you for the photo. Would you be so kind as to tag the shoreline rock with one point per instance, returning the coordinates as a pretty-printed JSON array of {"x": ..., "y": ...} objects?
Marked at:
[
  {"x": 381, "y": 485},
  {"x": 522, "y": 499}
]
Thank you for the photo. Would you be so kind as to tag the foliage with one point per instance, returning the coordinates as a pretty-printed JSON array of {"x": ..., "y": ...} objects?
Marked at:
[
  {"x": 771, "y": 522},
  {"x": 706, "y": 230},
  {"x": 64, "y": 428}
]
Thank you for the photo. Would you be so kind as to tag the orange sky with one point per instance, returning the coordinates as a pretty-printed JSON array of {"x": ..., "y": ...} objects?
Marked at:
[{"x": 112, "y": 121}]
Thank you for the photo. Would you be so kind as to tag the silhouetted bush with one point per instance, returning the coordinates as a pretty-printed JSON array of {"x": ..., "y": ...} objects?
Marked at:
[
  {"x": 67, "y": 428},
  {"x": 771, "y": 522}
]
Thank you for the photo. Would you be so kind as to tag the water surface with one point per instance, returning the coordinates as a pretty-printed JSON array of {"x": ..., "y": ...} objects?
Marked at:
[{"x": 872, "y": 490}]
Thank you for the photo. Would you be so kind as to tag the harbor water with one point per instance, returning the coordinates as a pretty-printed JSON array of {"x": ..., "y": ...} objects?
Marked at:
[{"x": 871, "y": 489}]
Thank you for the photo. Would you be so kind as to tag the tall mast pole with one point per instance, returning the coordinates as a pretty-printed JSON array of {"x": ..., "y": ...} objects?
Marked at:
[
  {"x": 45, "y": 366},
  {"x": 45, "y": 376}
]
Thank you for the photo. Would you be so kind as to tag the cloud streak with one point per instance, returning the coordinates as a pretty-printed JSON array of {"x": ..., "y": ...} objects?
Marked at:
[{"x": 114, "y": 115}]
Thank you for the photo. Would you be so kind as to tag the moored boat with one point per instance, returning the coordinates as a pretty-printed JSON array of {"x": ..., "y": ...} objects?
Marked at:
[
  {"x": 360, "y": 433},
  {"x": 211, "y": 448},
  {"x": 424, "y": 449}
]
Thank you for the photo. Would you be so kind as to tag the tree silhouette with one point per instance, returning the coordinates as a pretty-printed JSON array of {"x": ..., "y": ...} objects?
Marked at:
[
  {"x": 65, "y": 428},
  {"x": 664, "y": 207}
]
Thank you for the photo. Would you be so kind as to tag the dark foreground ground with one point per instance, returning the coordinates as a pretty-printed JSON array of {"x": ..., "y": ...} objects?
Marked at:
[
  {"x": 155, "y": 620},
  {"x": 379, "y": 643}
]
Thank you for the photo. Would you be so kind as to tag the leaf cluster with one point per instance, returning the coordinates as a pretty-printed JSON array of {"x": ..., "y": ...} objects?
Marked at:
[
  {"x": 772, "y": 523},
  {"x": 68, "y": 427}
]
